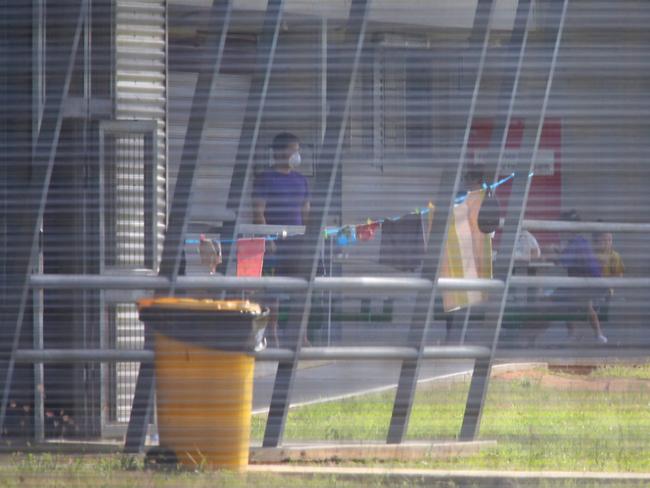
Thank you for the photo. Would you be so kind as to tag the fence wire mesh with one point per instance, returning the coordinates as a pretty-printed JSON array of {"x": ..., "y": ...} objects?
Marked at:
[{"x": 410, "y": 191}]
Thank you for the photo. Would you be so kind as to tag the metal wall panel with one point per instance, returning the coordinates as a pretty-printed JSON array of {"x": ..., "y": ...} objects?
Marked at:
[{"x": 140, "y": 91}]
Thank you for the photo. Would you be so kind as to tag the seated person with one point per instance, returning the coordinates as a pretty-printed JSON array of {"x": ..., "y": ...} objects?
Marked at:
[{"x": 527, "y": 248}]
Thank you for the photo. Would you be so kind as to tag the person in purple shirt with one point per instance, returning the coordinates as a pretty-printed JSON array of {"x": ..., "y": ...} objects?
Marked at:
[
  {"x": 280, "y": 193},
  {"x": 579, "y": 259},
  {"x": 281, "y": 197}
]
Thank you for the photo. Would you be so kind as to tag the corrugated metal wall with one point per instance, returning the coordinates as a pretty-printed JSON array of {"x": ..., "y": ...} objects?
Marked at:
[
  {"x": 140, "y": 57},
  {"x": 141, "y": 79}
]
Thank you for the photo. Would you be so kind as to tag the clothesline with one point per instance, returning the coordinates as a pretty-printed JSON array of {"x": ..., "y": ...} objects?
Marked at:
[
  {"x": 467, "y": 253},
  {"x": 336, "y": 231},
  {"x": 457, "y": 201}
]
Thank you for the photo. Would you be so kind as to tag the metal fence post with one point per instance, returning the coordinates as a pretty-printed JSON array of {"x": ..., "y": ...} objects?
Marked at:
[
  {"x": 178, "y": 210},
  {"x": 178, "y": 214},
  {"x": 513, "y": 223},
  {"x": 33, "y": 205},
  {"x": 329, "y": 159},
  {"x": 513, "y": 62},
  {"x": 257, "y": 94},
  {"x": 449, "y": 184}
]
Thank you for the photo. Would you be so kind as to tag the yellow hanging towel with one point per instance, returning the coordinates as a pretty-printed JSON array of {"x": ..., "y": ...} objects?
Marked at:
[{"x": 468, "y": 252}]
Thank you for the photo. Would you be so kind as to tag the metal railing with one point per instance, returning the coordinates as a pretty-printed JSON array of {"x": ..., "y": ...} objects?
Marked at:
[
  {"x": 39, "y": 356},
  {"x": 370, "y": 283},
  {"x": 277, "y": 354}
]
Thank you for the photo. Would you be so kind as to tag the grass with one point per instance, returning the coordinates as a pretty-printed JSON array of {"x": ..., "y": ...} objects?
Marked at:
[
  {"x": 119, "y": 471},
  {"x": 537, "y": 428},
  {"x": 639, "y": 372}
]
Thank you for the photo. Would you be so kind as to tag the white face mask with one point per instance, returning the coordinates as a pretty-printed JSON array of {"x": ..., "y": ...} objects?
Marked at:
[{"x": 295, "y": 159}]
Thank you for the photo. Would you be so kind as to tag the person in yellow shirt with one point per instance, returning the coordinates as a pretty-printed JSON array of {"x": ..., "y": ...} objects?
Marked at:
[
  {"x": 611, "y": 264},
  {"x": 610, "y": 260}
]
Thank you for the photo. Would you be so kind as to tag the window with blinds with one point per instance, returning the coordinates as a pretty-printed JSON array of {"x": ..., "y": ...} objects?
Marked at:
[
  {"x": 128, "y": 196},
  {"x": 128, "y": 243}
]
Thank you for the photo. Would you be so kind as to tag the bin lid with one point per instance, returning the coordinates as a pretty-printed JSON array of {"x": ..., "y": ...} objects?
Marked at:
[{"x": 200, "y": 305}]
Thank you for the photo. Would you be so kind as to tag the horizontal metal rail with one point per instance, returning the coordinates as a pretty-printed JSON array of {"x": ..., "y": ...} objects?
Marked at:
[
  {"x": 306, "y": 353},
  {"x": 370, "y": 283},
  {"x": 264, "y": 230},
  {"x": 532, "y": 225},
  {"x": 83, "y": 356},
  {"x": 539, "y": 225},
  {"x": 579, "y": 282},
  {"x": 565, "y": 226},
  {"x": 365, "y": 283},
  {"x": 339, "y": 353}
]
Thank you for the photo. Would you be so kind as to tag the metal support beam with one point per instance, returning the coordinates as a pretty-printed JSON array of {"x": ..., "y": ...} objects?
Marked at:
[
  {"x": 38, "y": 341},
  {"x": 267, "y": 43},
  {"x": 348, "y": 59},
  {"x": 513, "y": 222},
  {"x": 275, "y": 354},
  {"x": 449, "y": 185},
  {"x": 32, "y": 205},
  {"x": 513, "y": 63},
  {"x": 579, "y": 282},
  {"x": 179, "y": 208},
  {"x": 142, "y": 406},
  {"x": 178, "y": 214},
  {"x": 369, "y": 283},
  {"x": 560, "y": 226},
  {"x": 388, "y": 353},
  {"x": 507, "y": 97}
]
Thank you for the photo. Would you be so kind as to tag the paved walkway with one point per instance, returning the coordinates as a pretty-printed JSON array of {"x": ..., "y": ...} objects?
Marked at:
[{"x": 345, "y": 378}]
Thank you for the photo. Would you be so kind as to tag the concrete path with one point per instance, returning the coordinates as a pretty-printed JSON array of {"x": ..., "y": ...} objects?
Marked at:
[
  {"x": 323, "y": 382},
  {"x": 340, "y": 379},
  {"x": 318, "y": 381}
]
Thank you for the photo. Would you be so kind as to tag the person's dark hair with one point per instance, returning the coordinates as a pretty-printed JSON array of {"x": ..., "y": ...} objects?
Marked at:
[
  {"x": 283, "y": 140},
  {"x": 570, "y": 215},
  {"x": 599, "y": 233},
  {"x": 474, "y": 174}
]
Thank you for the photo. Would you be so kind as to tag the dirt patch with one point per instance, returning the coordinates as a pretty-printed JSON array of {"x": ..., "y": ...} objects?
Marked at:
[
  {"x": 530, "y": 374},
  {"x": 578, "y": 381},
  {"x": 577, "y": 369},
  {"x": 619, "y": 385}
]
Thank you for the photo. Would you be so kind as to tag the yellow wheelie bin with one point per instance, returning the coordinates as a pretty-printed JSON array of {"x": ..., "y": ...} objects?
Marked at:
[{"x": 204, "y": 377}]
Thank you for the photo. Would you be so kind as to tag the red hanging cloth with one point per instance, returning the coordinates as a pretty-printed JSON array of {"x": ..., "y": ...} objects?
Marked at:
[
  {"x": 366, "y": 232},
  {"x": 250, "y": 257}
]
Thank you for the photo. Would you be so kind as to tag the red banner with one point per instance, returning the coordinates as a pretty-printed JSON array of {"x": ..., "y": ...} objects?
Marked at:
[{"x": 545, "y": 196}]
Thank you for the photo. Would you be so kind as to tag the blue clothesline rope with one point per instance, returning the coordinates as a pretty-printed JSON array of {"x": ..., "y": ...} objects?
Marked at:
[
  {"x": 234, "y": 241},
  {"x": 334, "y": 231}
]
